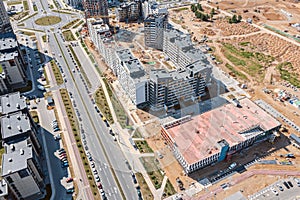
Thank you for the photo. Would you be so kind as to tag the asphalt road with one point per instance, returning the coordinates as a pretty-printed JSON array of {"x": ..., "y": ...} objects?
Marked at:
[
  {"x": 95, "y": 129},
  {"x": 104, "y": 150}
]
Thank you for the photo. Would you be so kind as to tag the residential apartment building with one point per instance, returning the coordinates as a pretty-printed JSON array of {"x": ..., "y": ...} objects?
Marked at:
[
  {"x": 131, "y": 76},
  {"x": 102, "y": 39},
  {"x": 129, "y": 11},
  {"x": 12, "y": 66},
  {"x": 97, "y": 9},
  {"x": 179, "y": 48},
  {"x": 74, "y": 3},
  {"x": 167, "y": 89},
  {"x": 12, "y": 103},
  {"x": 155, "y": 25},
  {"x": 22, "y": 172},
  {"x": 150, "y": 7},
  {"x": 97, "y": 30},
  {"x": 21, "y": 162},
  {"x": 5, "y": 25},
  {"x": 3, "y": 190}
]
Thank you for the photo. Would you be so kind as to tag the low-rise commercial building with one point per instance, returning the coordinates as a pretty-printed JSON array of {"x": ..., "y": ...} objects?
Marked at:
[
  {"x": 213, "y": 136},
  {"x": 131, "y": 76},
  {"x": 167, "y": 89}
]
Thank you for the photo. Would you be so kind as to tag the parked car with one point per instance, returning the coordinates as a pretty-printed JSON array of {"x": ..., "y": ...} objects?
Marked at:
[
  {"x": 280, "y": 187},
  {"x": 57, "y": 137},
  {"x": 290, "y": 183},
  {"x": 40, "y": 87},
  {"x": 70, "y": 179},
  {"x": 286, "y": 185},
  {"x": 97, "y": 178},
  {"x": 274, "y": 191},
  {"x": 99, "y": 185}
]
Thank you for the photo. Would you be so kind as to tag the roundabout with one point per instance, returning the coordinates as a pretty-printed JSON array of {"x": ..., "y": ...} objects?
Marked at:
[{"x": 48, "y": 20}]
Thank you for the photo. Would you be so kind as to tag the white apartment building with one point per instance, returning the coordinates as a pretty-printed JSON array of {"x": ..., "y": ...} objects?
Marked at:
[
  {"x": 97, "y": 30},
  {"x": 167, "y": 89},
  {"x": 12, "y": 67},
  {"x": 21, "y": 162},
  {"x": 22, "y": 172},
  {"x": 179, "y": 48},
  {"x": 131, "y": 76},
  {"x": 155, "y": 25}
]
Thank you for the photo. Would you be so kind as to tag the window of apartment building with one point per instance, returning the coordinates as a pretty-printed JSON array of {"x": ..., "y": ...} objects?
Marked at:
[
  {"x": 9, "y": 179},
  {"x": 12, "y": 63},
  {"x": 23, "y": 173}
]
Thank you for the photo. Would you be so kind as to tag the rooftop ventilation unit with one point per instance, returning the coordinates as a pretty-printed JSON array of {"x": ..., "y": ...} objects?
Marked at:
[{"x": 21, "y": 151}]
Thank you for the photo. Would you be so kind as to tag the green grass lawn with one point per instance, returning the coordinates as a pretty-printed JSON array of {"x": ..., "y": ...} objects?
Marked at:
[
  {"x": 287, "y": 73},
  {"x": 251, "y": 63},
  {"x": 169, "y": 189},
  {"x": 118, "y": 108},
  {"x": 103, "y": 105},
  {"x": 70, "y": 24},
  {"x": 68, "y": 35},
  {"x": 44, "y": 38},
  {"x": 35, "y": 8},
  {"x": 48, "y": 20},
  {"x": 25, "y": 5},
  {"x": 143, "y": 146},
  {"x": 151, "y": 166},
  {"x": 57, "y": 74},
  {"x": 237, "y": 73},
  {"x": 146, "y": 192},
  {"x": 137, "y": 134},
  {"x": 11, "y": 3},
  {"x": 34, "y": 116},
  {"x": 2, "y": 151}
]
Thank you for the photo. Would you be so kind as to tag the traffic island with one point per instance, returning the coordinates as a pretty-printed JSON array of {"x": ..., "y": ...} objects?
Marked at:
[{"x": 48, "y": 20}]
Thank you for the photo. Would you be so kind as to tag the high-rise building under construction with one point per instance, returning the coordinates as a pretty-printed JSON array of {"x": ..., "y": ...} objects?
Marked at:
[
  {"x": 97, "y": 9},
  {"x": 5, "y": 25}
]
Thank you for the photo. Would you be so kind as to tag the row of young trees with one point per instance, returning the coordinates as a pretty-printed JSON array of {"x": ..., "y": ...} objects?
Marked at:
[
  {"x": 197, "y": 9},
  {"x": 235, "y": 19}
]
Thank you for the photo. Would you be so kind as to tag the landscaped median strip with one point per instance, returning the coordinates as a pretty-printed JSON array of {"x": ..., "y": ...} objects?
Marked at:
[
  {"x": 75, "y": 129},
  {"x": 80, "y": 66},
  {"x": 93, "y": 126}
]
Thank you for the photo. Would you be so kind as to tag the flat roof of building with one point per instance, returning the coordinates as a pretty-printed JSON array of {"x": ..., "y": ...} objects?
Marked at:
[
  {"x": 197, "y": 138},
  {"x": 16, "y": 161},
  {"x": 3, "y": 188},
  {"x": 132, "y": 64},
  {"x": 14, "y": 124},
  {"x": 11, "y": 103}
]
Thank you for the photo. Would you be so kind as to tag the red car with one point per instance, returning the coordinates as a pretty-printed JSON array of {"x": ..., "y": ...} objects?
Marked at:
[
  {"x": 70, "y": 179},
  {"x": 99, "y": 185}
]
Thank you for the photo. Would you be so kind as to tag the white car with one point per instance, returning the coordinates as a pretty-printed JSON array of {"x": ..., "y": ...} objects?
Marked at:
[
  {"x": 274, "y": 191},
  {"x": 40, "y": 87}
]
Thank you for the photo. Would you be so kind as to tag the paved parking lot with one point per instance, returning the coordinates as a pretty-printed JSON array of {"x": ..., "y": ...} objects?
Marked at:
[{"x": 288, "y": 194}]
